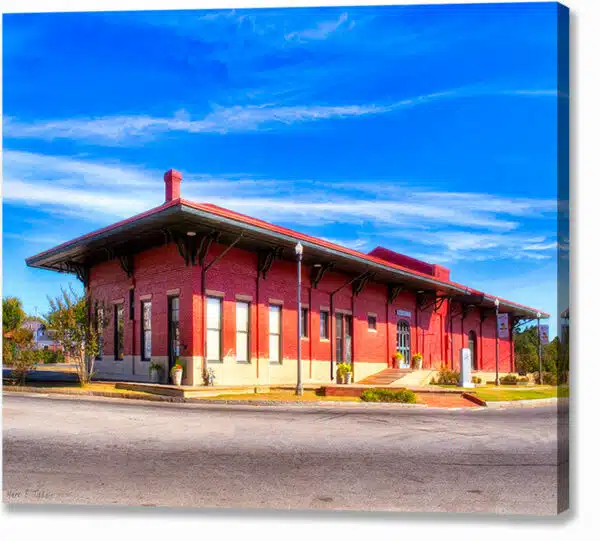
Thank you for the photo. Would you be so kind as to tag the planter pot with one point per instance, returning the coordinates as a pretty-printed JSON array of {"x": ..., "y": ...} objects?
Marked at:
[
  {"x": 418, "y": 365},
  {"x": 154, "y": 376},
  {"x": 347, "y": 378},
  {"x": 176, "y": 377}
]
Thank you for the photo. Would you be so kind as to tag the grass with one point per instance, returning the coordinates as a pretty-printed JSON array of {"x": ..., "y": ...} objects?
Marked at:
[
  {"x": 75, "y": 388},
  {"x": 513, "y": 392},
  {"x": 309, "y": 395}
]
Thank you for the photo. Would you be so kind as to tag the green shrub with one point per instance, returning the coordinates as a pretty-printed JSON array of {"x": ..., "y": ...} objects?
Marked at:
[
  {"x": 386, "y": 395},
  {"x": 524, "y": 379},
  {"x": 447, "y": 377},
  {"x": 548, "y": 378},
  {"x": 510, "y": 379},
  {"x": 475, "y": 379}
]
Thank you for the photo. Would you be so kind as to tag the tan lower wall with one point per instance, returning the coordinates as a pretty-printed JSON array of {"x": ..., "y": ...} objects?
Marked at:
[{"x": 229, "y": 372}]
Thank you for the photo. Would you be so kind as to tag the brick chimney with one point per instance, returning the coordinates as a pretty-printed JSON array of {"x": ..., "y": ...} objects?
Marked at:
[{"x": 172, "y": 185}]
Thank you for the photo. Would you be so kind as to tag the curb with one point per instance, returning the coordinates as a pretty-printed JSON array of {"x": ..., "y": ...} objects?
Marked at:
[
  {"x": 475, "y": 399},
  {"x": 105, "y": 394},
  {"x": 525, "y": 403}
]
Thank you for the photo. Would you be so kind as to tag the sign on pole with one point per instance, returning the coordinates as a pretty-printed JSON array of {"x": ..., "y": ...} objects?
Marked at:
[
  {"x": 544, "y": 334},
  {"x": 503, "y": 326}
]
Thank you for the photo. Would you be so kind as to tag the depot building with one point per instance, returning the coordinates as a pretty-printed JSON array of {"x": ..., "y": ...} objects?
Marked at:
[{"x": 210, "y": 288}]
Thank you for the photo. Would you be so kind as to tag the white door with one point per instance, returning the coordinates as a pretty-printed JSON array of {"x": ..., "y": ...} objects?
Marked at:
[{"x": 403, "y": 343}]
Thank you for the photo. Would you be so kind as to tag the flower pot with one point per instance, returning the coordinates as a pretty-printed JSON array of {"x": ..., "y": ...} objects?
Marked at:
[
  {"x": 347, "y": 377},
  {"x": 176, "y": 376},
  {"x": 154, "y": 376},
  {"x": 418, "y": 364}
]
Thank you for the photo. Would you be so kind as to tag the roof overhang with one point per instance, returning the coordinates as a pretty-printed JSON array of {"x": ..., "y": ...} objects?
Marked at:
[{"x": 157, "y": 227}]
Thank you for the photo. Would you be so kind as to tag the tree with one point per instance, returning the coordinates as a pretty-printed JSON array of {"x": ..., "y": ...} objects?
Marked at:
[
  {"x": 526, "y": 352},
  {"x": 70, "y": 319},
  {"x": 13, "y": 314}
]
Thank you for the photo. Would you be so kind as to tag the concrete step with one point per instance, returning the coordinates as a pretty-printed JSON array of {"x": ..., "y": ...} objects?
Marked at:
[{"x": 386, "y": 376}]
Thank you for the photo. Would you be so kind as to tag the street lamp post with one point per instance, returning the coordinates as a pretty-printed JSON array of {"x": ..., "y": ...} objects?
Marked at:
[
  {"x": 299, "y": 249},
  {"x": 497, "y": 304},
  {"x": 539, "y": 315}
]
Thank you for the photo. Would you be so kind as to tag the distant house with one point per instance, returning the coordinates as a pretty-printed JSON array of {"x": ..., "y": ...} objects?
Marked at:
[{"x": 42, "y": 337}]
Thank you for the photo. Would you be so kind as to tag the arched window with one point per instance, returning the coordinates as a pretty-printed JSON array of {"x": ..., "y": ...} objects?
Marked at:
[
  {"x": 403, "y": 342},
  {"x": 473, "y": 348}
]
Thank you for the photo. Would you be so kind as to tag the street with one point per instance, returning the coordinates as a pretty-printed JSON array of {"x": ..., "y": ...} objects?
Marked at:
[{"x": 59, "y": 450}]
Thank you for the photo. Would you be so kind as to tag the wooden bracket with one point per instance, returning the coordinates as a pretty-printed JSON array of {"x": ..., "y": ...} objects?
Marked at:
[
  {"x": 266, "y": 258},
  {"x": 393, "y": 292},
  {"x": 126, "y": 262},
  {"x": 360, "y": 284},
  {"x": 317, "y": 273},
  {"x": 81, "y": 271}
]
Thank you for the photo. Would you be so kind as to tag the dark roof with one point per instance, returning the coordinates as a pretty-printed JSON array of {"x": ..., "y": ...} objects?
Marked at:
[{"x": 156, "y": 226}]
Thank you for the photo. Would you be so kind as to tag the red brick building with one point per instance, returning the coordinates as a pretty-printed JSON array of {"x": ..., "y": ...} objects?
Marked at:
[{"x": 218, "y": 289}]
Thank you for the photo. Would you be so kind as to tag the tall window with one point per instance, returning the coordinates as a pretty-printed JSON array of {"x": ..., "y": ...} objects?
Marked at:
[
  {"x": 213, "y": 328},
  {"x": 275, "y": 333},
  {"x": 324, "y": 325},
  {"x": 173, "y": 336},
  {"x": 131, "y": 305},
  {"x": 304, "y": 322},
  {"x": 100, "y": 330},
  {"x": 242, "y": 331},
  {"x": 372, "y": 322},
  {"x": 146, "y": 330},
  {"x": 119, "y": 329}
]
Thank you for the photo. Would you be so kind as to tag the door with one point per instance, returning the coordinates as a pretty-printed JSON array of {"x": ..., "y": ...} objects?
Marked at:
[
  {"x": 403, "y": 343},
  {"x": 473, "y": 348},
  {"x": 339, "y": 338},
  {"x": 348, "y": 338},
  {"x": 173, "y": 331}
]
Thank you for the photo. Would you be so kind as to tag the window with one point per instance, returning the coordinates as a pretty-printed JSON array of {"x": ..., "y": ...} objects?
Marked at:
[
  {"x": 119, "y": 328},
  {"x": 372, "y": 323},
  {"x": 242, "y": 331},
  {"x": 304, "y": 322},
  {"x": 100, "y": 331},
  {"x": 131, "y": 301},
  {"x": 324, "y": 325},
  {"x": 213, "y": 329},
  {"x": 173, "y": 335},
  {"x": 274, "y": 333},
  {"x": 146, "y": 330}
]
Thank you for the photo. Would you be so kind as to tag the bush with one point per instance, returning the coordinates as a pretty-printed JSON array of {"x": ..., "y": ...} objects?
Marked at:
[
  {"x": 548, "y": 378},
  {"x": 48, "y": 356},
  {"x": 510, "y": 379},
  {"x": 447, "y": 377},
  {"x": 385, "y": 395},
  {"x": 475, "y": 379},
  {"x": 22, "y": 363},
  {"x": 524, "y": 379}
]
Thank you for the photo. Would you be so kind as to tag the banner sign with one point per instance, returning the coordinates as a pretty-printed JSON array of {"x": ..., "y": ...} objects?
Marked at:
[
  {"x": 402, "y": 313},
  {"x": 544, "y": 334},
  {"x": 503, "y": 326}
]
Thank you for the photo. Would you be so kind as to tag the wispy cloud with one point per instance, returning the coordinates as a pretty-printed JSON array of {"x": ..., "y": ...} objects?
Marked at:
[
  {"x": 322, "y": 30},
  {"x": 448, "y": 226},
  {"x": 113, "y": 130}
]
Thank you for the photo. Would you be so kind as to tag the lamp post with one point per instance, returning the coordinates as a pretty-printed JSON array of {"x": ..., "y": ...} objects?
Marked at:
[
  {"x": 497, "y": 304},
  {"x": 299, "y": 249},
  {"x": 539, "y": 315}
]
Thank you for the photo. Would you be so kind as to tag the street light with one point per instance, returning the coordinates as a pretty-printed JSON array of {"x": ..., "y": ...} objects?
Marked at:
[
  {"x": 497, "y": 304},
  {"x": 539, "y": 315},
  {"x": 299, "y": 249}
]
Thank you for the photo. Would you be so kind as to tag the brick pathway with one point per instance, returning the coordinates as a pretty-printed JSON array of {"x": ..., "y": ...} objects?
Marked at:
[{"x": 444, "y": 400}]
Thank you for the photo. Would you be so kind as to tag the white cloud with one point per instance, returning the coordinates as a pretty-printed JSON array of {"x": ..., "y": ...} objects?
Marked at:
[
  {"x": 452, "y": 225},
  {"x": 322, "y": 30},
  {"x": 114, "y": 130}
]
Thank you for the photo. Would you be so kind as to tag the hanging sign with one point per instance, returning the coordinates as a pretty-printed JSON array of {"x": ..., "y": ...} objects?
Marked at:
[
  {"x": 402, "y": 313},
  {"x": 544, "y": 334},
  {"x": 503, "y": 326}
]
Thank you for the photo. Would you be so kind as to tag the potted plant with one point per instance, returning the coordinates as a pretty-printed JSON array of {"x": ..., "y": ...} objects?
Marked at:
[
  {"x": 417, "y": 361},
  {"x": 344, "y": 373},
  {"x": 176, "y": 373},
  {"x": 156, "y": 371},
  {"x": 209, "y": 376},
  {"x": 398, "y": 358}
]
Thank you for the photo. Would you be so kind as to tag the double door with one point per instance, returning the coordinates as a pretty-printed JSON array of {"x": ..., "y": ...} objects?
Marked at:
[{"x": 343, "y": 338}]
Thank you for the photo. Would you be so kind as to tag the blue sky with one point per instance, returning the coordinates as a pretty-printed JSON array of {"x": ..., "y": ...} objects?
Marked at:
[{"x": 430, "y": 130}]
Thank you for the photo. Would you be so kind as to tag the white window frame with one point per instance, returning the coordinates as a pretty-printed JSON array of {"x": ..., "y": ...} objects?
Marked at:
[
  {"x": 272, "y": 358},
  {"x": 242, "y": 332},
  {"x": 210, "y": 330}
]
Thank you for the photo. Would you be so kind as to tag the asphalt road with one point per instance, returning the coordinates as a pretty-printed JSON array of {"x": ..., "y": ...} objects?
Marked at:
[{"x": 68, "y": 451}]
